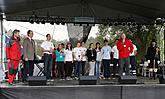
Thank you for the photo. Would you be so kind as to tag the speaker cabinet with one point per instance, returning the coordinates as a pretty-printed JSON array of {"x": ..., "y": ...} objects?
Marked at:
[
  {"x": 87, "y": 80},
  {"x": 127, "y": 80},
  {"x": 37, "y": 80}
]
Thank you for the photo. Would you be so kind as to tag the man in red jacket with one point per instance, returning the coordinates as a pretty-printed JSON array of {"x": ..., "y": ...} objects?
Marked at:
[
  {"x": 13, "y": 53},
  {"x": 125, "y": 47}
]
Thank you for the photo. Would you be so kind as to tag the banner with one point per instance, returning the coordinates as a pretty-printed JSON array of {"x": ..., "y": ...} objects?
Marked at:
[{"x": 78, "y": 33}]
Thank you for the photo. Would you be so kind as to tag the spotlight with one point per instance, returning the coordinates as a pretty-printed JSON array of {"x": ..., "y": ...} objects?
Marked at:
[
  {"x": 123, "y": 23},
  {"x": 43, "y": 21},
  {"x": 105, "y": 24},
  {"x": 57, "y": 22},
  {"x": 110, "y": 24},
  {"x": 37, "y": 21},
  {"x": 129, "y": 23},
  {"x": 52, "y": 23},
  {"x": 31, "y": 21},
  {"x": 134, "y": 24},
  {"x": 159, "y": 21},
  {"x": 62, "y": 23},
  {"x": 116, "y": 23}
]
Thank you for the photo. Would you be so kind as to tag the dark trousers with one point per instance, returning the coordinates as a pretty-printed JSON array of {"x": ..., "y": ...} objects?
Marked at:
[
  {"x": 115, "y": 62},
  {"x": 28, "y": 69},
  {"x": 106, "y": 66},
  {"x": 83, "y": 67},
  {"x": 68, "y": 69},
  {"x": 78, "y": 68},
  {"x": 47, "y": 65},
  {"x": 124, "y": 62},
  {"x": 53, "y": 68},
  {"x": 133, "y": 62},
  {"x": 60, "y": 67}
]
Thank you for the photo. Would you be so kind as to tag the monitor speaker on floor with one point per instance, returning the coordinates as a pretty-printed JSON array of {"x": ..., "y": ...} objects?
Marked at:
[
  {"x": 87, "y": 80},
  {"x": 37, "y": 80},
  {"x": 127, "y": 79}
]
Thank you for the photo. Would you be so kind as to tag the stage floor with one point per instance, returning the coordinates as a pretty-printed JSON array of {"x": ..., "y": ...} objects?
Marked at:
[
  {"x": 70, "y": 89},
  {"x": 58, "y": 82}
]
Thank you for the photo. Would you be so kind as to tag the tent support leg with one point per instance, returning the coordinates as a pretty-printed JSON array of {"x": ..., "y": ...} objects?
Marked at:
[{"x": 1, "y": 19}]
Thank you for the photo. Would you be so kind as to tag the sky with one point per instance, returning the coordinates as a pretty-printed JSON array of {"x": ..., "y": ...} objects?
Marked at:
[{"x": 59, "y": 32}]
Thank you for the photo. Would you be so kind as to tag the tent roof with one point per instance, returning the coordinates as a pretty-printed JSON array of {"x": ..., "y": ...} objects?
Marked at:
[{"x": 142, "y": 11}]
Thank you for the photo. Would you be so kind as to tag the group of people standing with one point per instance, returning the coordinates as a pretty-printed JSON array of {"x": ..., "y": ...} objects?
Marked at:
[
  {"x": 68, "y": 61},
  {"x": 92, "y": 61}
]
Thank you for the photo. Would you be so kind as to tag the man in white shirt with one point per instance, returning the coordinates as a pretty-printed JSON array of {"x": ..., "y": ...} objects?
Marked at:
[
  {"x": 115, "y": 54},
  {"x": 84, "y": 59},
  {"x": 47, "y": 49},
  {"x": 133, "y": 59},
  {"x": 78, "y": 60},
  {"x": 106, "y": 56}
]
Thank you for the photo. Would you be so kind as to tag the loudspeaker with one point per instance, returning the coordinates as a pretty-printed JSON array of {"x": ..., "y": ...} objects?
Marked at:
[
  {"x": 87, "y": 80},
  {"x": 36, "y": 80},
  {"x": 127, "y": 80},
  {"x": 162, "y": 79}
]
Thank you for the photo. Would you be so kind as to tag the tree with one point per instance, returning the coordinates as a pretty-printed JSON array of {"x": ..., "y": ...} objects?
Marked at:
[{"x": 141, "y": 36}]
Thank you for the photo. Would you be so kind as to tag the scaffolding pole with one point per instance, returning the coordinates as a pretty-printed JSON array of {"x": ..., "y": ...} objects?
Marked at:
[{"x": 1, "y": 16}]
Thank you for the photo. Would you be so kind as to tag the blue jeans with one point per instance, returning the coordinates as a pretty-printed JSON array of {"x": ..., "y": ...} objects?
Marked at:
[
  {"x": 47, "y": 65},
  {"x": 106, "y": 66},
  {"x": 78, "y": 68},
  {"x": 97, "y": 68}
]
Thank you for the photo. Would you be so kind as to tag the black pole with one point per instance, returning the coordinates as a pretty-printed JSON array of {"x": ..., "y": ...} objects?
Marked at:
[
  {"x": 164, "y": 46},
  {"x": 1, "y": 16},
  {"x": 121, "y": 93}
]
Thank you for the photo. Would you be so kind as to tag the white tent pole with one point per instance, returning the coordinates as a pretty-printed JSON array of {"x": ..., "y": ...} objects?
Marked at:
[
  {"x": 53, "y": 31},
  {"x": 1, "y": 16}
]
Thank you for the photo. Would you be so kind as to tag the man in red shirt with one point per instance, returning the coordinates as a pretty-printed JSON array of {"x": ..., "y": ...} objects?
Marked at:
[
  {"x": 125, "y": 47},
  {"x": 13, "y": 53}
]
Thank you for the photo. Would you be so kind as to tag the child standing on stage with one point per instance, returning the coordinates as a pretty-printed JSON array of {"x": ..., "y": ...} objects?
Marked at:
[{"x": 68, "y": 61}]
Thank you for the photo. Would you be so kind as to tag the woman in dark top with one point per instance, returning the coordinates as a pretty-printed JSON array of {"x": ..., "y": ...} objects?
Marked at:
[
  {"x": 153, "y": 57},
  {"x": 91, "y": 55}
]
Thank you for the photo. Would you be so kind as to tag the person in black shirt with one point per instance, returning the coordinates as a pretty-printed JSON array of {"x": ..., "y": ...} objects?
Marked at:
[
  {"x": 91, "y": 55},
  {"x": 153, "y": 57}
]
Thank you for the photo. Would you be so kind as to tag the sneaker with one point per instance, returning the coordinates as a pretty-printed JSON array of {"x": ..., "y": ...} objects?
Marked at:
[
  {"x": 50, "y": 80},
  {"x": 109, "y": 78},
  {"x": 10, "y": 84},
  {"x": 62, "y": 79},
  {"x": 76, "y": 78},
  {"x": 69, "y": 78},
  {"x": 100, "y": 77}
]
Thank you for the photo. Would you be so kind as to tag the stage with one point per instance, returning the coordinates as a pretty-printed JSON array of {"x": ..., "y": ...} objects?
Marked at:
[{"x": 104, "y": 89}]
